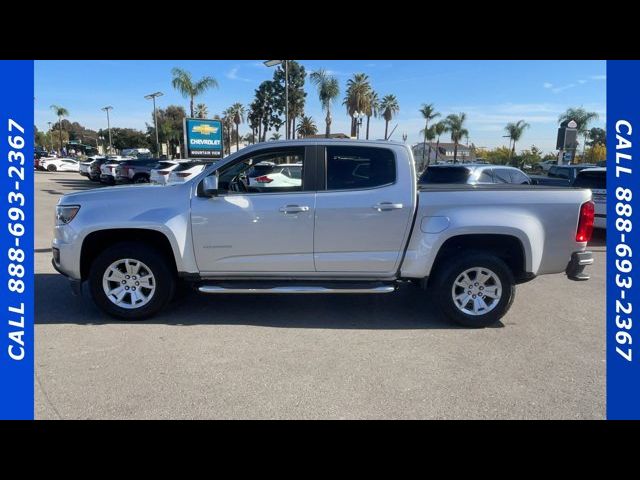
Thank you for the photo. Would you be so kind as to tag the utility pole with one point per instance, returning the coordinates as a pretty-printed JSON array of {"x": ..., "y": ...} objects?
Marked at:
[
  {"x": 155, "y": 117},
  {"x": 106, "y": 109},
  {"x": 50, "y": 137},
  {"x": 272, "y": 63}
]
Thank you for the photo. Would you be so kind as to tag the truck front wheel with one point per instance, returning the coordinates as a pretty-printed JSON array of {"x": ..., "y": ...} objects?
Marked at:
[
  {"x": 131, "y": 281},
  {"x": 475, "y": 290}
]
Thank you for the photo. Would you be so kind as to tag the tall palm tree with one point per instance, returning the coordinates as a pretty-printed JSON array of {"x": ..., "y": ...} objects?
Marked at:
[
  {"x": 389, "y": 107},
  {"x": 188, "y": 88},
  {"x": 429, "y": 113},
  {"x": 60, "y": 112},
  {"x": 357, "y": 97},
  {"x": 328, "y": 91},
  {"x": 373, "y": 108},
  {"x": 201, "y": 111},
  {"x": 227, "y": 127},
  {"x": 514, "y": 132},
  {"x": 238, "y": 118},
  {"x": 455, "y": 127},
  {"x": 439, "y": 128},
  {"x": 307, "y": 127},
  {"x": 430, "y": 136},
  {"x": 582, "y": 118}
]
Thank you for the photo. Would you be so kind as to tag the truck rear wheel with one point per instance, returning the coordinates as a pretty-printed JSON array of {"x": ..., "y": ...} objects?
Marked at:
[
  {"x": 131, "y": 281},
  {"x": 475, "y": 290}
]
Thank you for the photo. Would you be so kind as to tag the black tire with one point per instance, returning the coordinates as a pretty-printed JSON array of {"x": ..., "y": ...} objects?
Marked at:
[
  {"x": 52, "y": 168},
  {"x": 165, "y": 279},
  {"x": 140, "y": 179},
  {"x": 452, "y": 268}
]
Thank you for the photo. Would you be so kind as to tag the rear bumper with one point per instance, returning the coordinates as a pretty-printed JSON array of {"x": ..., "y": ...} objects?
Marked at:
[{"x": 577, "y": 264}]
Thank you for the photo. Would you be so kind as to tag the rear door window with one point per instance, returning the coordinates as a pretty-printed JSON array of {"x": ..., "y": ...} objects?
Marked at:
[
  {"x": 501, "y": 175},
  {"x": 518, "y": 177},
  {"x": 359, "y": 167}
]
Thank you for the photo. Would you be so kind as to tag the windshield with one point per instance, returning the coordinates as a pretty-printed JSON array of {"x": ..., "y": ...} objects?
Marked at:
[{"x": 445, "y": 175}]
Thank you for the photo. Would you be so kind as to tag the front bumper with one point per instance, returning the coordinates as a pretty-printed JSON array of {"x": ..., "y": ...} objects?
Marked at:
[
  {"x": 75, "y": 284},
  {"x": 577, "y": 264}
]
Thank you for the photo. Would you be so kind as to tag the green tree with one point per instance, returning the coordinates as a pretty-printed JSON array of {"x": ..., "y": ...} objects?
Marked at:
[
  {"x": 297, "y": 95},
  {"x": 307, "y": 127},
  {"x": 455, "y": 127},
  {"x": 357, "y": 98},
  {"x": 582, "y": 118},
  {"x": 122, "y": 138},
  {"x": 238, "y": 118},
  {"x": 429, "y": 135},
  {"x": 597, "y": 136},
  {"x": 514, "y": 132},
  {"x": 201, "y": 111},
  {"x": 429, "y": 113},
  {"x": 60, "y": 112},
  {"x": 373, "y": 108},
  {"x": 328, "y": 91},
  {"x": 170, "y": 126},
  {"x": 439, "y": 128},
  {"x": 389, "y": 107},
  {"x": 188, "y": 88},
  {"x": 275, "y": 136},
  {"x": 264, "y": 109}
]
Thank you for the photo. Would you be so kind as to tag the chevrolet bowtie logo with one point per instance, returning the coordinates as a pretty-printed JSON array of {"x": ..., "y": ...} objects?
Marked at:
[{"x": 204, "y": 129}]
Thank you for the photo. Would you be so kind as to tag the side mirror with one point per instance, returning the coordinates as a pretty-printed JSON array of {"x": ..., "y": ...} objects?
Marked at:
[{"x": 210, "y": 185}]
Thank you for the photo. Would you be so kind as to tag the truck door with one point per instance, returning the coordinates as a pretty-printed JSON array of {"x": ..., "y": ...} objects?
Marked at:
[{"x": 364, "y": 210}]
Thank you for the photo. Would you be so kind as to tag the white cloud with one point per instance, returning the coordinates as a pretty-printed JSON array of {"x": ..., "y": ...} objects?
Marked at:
[
  {"x": 582, "y": 81},
  {"x": 547, "y": 85},
  {"x": 563, "y": 88},
  {"x": 233, "y": 75}
]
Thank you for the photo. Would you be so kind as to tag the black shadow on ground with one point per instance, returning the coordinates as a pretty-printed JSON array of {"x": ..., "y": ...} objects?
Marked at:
[
  {"x": 599, "y": 238},
  {"x": 408, "y": 308}
]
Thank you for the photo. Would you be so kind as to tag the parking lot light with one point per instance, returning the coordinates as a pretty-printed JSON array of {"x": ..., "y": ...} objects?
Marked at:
[
  {"x": 106, "y": 109},
  {"x": 152, "y": 96}
]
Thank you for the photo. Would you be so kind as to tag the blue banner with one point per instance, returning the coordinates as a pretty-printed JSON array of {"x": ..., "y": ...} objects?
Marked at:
[
  {"x": 16, "y": 240},
  {"x": 203, "y": 138},
  {"x": 623, "y": 188}
]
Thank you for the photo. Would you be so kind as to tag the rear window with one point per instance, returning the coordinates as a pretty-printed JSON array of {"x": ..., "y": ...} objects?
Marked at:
[
  {"x": 187, "y": 165},
  {"x": 359, "y": 167},
  {"x": 445, "y": 175},
  {"x": 593, "y": 180},
  {"x": 559, "y": 172},
  {"x": 259, "y": 170}
]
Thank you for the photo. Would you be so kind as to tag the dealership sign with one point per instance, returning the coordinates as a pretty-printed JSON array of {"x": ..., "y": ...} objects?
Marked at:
[{"x": 203, "y": 138}]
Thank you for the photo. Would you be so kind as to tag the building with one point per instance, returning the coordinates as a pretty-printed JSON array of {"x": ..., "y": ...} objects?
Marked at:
[{"x": 445, "y": 153}]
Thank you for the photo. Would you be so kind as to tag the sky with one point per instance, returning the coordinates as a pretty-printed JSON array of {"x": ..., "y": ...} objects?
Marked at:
[{"x": 491, "y": 93}]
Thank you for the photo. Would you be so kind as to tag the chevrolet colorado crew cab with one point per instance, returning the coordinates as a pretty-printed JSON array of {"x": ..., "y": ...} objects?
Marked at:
[{"x": 357, "y": 223}]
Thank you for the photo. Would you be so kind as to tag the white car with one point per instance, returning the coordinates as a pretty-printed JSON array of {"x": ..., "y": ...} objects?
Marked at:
[
  {"x": 596, "y": 180},
  {"x": 283, "y": 175},
  {"x": 60, "y": 164},
  {"x": 258, "y": 170},
  {"x": 185, "y": 171},
  {"x": 85, "y": 166},
  {"x": 547, "y": 164},
  {"x": 161, "y": 175}
]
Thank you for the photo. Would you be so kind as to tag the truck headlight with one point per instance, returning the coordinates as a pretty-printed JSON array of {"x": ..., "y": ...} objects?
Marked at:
[{"x": 66, "y": 213}]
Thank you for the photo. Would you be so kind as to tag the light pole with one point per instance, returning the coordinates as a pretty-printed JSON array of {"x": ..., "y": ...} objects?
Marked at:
[
  {"x": 106, "y": 109},
  {"x": 359, "y": 116},
  {"x": 273, "y": 63},
  {"x": 152, "y": 96},
  {"x": 50, "y": 136}
]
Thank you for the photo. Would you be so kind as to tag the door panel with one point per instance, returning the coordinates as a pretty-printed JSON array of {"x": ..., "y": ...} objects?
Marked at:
[{"x": 254, "y": 233}]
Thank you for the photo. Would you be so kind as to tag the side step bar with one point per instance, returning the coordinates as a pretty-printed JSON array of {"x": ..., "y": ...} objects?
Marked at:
[{"x": 297, "y": 289}]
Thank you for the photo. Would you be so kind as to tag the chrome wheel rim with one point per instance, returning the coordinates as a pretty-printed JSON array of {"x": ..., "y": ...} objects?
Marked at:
[
  {"x": 128, "y": 283},
  {"x": 476, "y": 291}
]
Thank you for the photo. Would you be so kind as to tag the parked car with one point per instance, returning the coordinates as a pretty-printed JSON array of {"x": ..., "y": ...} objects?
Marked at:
[
  {"x": 546, "y": 165},
  {"x": 94, "y": 168},
  {"x": 473, "y": 174},
  {"x": 282, "y": 175},
  {"x": 160, "y": 173},
  {"x": 595, "y": 179},
  {"x": 37, "y": 162},
  {"x": 187, "y": 170},
  {"x": 560, "y": 175},
  {"x": 59, "y": 164},
  {"x": 108, "y": 168},
  {"x": 135, "y": 171},
  {"x": 85, "y": 167},
  {"x": 358, "y": 223}
]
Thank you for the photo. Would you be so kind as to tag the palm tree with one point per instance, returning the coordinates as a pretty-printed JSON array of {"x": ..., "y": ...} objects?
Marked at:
[
  {"x": 328, "y": 91},
  {"x": 514, "y": 132},
  {"x": 582, "y": 119},
  {"x": 439, "y": 128},
  {"x": 388, "y": 108},
  {"x": 227, "y": 127},
  {"x": 357, "y": 97},
  {"x": 428, "y": 113},
  {"x": 60, "y": 112},
  {"x": 184, "y": 83},
  {"x": 201, "y": 111},
  {"x": 430, "y": 136},
  {"x": 238, "y": 118},
  {"x": 455, "y": 127},
  {"x": 373, "y": 108},
  {"x": 307, "y": 127},
  {"x": 275, "y": 136}
]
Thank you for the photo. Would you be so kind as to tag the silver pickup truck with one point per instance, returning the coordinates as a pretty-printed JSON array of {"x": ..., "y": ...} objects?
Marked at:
[{"x": 355, "y": 222}]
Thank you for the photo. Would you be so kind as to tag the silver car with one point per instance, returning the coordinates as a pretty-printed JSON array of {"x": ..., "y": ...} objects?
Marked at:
[{"x": 473, "y": 174}]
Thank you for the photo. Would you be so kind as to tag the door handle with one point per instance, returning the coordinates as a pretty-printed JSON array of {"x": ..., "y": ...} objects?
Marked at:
[
  {"x": 386, "y": 206},
  {"x": 294, "y": 209}
]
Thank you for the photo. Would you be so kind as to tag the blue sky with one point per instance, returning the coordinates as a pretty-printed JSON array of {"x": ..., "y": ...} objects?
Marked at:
[{"x": 492, "y": 93}]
